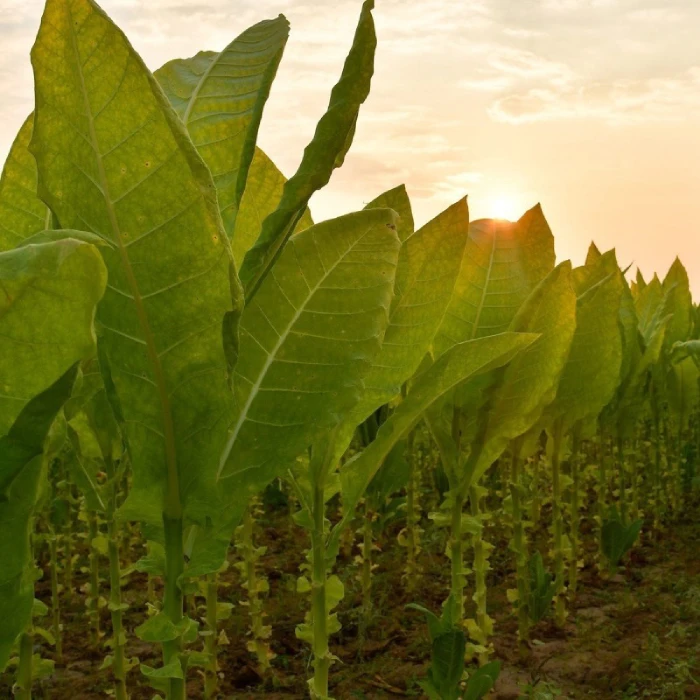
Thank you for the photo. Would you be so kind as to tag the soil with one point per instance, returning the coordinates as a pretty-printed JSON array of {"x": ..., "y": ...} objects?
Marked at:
[{"x": 632, "y": 636}]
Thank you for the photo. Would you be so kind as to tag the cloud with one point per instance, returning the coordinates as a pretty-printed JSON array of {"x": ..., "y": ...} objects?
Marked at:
[
  {"x": 617, "y": 102},
  {"x": 656, "y": 15},
  {"x": 527, "y": 65},
  {"x": 456, "y": 185}
]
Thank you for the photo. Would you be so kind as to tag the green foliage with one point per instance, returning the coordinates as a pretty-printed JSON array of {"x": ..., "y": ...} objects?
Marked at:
[
  {"x": 504, "y": 261},
  {"x": 308, "y": 339},
  {"x": 203, "y": 387},
  {"x": 541, "y": 589},
  {"x": 429, "y": 265},
  {"x": 459, "y": 364},
  {"x": 113, "y": 157},
  {"x": 482, "y": 681},
  {"x": 220, "y": 98},
  {"x": 447, "y": 669},
  {"x": 262, "y": 195},
  {"x": 524, "y": 387},
  {"x": 326, "y": 151},
  {"x": 22, "y": 213},
  {"x": 592, "y": 370},
  {"x": 618, "y": 536},
  {"x": 50, "y": 293}
]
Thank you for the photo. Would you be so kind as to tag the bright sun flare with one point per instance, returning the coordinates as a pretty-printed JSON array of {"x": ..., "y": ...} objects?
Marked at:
[{"x": 505, "y": 206}]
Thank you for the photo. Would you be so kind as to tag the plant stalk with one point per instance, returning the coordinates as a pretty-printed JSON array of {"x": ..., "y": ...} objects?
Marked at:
[
  {"x": 622, "y": 477},
  {"x": 55, "y": 599},
  {"x": 172, "y": 597},
  {"x": 575, "y": 512},
  {"x": 412, "y": 517},
  {"x": 322, "y": 657},
  {"x": 23, "y": 687},
  {"x": 457, "y": 575},
  {"x": 94, "y": 599},
  {"x": 558, "y": 528},
  {"x": 367, "y": 564},
  {"x": 211, "y": 678},
  {"x": 520, "y": 548},
  {"x": 481, "y": 568},
  {"x": 115, "y": 591}
]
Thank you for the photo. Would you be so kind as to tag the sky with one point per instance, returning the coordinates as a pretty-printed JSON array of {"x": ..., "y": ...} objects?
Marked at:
[{"x": 589, "y": 107}]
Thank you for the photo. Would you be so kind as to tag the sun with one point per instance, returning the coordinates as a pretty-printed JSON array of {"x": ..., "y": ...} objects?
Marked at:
[{"x": 505, "y": 206}]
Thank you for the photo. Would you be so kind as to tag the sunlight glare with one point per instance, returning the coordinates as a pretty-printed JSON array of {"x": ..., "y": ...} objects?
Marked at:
[{"x": 505, "y": 206}]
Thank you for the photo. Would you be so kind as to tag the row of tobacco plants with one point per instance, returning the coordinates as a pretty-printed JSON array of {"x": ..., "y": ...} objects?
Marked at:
[{"x": 177, "y": 334}]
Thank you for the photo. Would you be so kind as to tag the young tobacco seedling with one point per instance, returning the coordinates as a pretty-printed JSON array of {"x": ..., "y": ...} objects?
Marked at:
[
  {"x": 541, "y": 589},
  {"x": 447, "y": 668},
  {"x": 618, "y": 537}
]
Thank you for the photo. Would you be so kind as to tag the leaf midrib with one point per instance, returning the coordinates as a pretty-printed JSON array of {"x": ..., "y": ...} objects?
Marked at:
[
  {"x": 173, "y": 504},
  {"x": 198, "y": 87},
  {"x": 482, "y": 302},
  {"x": 273, "y": 353},
  {"x": 205, "y": 76}
]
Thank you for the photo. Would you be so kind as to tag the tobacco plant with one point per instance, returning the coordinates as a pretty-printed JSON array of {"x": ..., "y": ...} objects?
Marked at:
[
  {"x": 236, "y": 342},
  {"x": 50, "y": 291},
  {"x": 255, "y": 585}
]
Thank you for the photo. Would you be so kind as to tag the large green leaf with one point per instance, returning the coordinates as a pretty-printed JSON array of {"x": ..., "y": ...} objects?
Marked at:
[
  {"x": 623, "y": 410},
  {"x": 596, "y": 269},
  {"x": 22, "y": 213},
  {"x": 327, "y": 150},
  {"x": 689, "y": 348},
  {"x": 83, "y": 469},
  {"x": 683, "y": 390},
  {"x": 462, "y": 362},
  {"x": 640, "y": 281},
  {"x": 629, "y": 324},
  {"x": 49, "y": 293},
  {"x": 397, "y": 199},
  {"x": 677, "y": 304},
  {"x": 528, "y": 383},
  {"x": 220, "y": 100},
  {"x": 632, "y": 394},
  {"x": 504, "y": 262},
  {"x": 647, "y": 304},
  {"x": 46, "y": 316},
  {"x": 22, "y": 473},
  {"x": 593, "y": 253},
  {"x": 592, "y": 371},
  {"x": 113, "y": 157},
  {"x": 262, "y": 195},
  {"x": 308, "y": 338},
  {"x": 429, "y": 264},
  {"x": 447, "y": 665}
]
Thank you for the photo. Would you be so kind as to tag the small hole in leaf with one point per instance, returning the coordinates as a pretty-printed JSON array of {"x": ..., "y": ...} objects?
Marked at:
[{"x": 148, "y": 163}]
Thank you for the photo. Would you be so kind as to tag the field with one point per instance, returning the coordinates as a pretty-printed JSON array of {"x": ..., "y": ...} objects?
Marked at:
[
  {"x": 629, "y": 638},
  {"x": 246, "y": 454}
]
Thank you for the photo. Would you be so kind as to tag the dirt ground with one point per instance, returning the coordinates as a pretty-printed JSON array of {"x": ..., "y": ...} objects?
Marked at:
[{"x": 635, "y": 636}]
